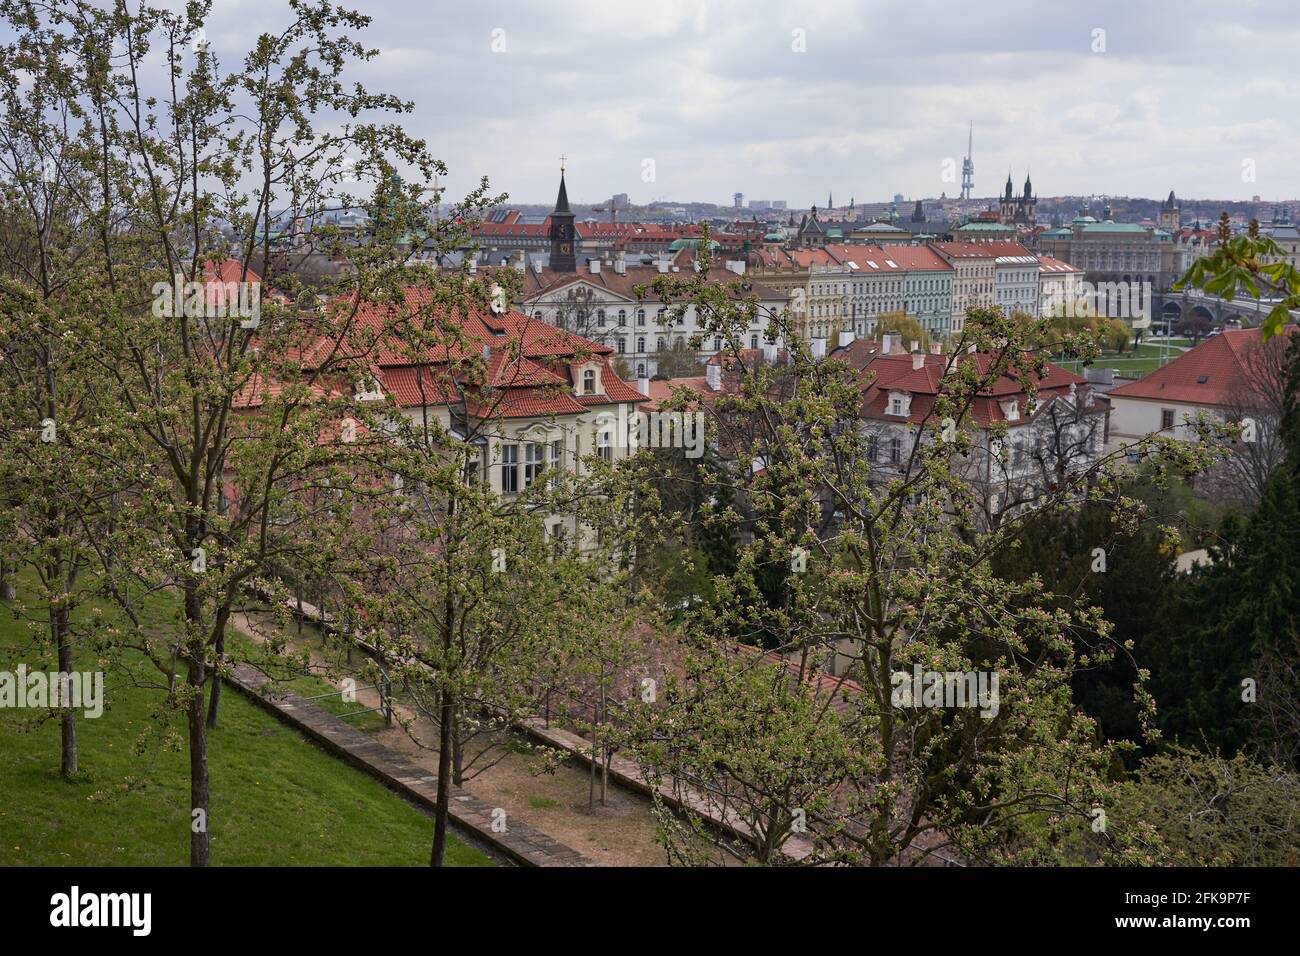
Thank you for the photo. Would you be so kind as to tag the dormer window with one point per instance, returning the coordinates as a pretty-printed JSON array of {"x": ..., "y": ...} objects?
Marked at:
[
  {"x": 368, "y": 390},
  {"x": 1012, "y": 410},
  {"x": 900, "y": 404},
  {"x": 589, "y": 382}
]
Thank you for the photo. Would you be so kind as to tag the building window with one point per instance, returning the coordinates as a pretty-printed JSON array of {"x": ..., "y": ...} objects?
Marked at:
[
  {"x": 640, "y": 343},
  {"x": 600, "y": 318},
  {"x": 589, "y": 381},
  {"x": 1166, "y": 419},
  {"x": 753, "y": 341},
  {"x": 622, "y": 317},
  {"x": 895, "y": 450},
  {"x": 622, "y": 345},
  {"x": 640, "y": 369},
  {"x": 662, "y": 343},
  {"x": 605, "y": 447},
  {"x": 534, "y": 462},
  {"x": 557, "y": 460},
  {"x": 510, "y": 468},
  {"x": 640, "y": 316}
]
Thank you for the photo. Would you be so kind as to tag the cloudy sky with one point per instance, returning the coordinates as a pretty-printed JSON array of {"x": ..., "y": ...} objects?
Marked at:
[{"x": 698, "y": 99}]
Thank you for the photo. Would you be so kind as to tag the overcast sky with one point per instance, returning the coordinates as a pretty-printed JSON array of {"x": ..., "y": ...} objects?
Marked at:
[{"x": 790, "y": 100}]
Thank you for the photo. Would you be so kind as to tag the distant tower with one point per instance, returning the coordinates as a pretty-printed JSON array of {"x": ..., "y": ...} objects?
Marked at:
[
  {"x": 563, "y": 256},
  {"x": 1171, "y": 217},
  {"x": 968, "y": 166},
  {"x": 830, "y": 201},
  {"x": 738, "y": 200}
]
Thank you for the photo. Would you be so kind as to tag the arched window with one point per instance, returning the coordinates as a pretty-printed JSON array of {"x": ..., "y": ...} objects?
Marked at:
[
  {"x": 589, "y": 382},
  {"x": 640, "y": 316},
  {"x": 640, "y": 343},
  {"x": 600, "y": 318},
  {"x": 538, "y": 315},
  {"x": 661, "y": 344},
  {"x": 622, "y": 345},
  {"x": 622, "y": 316}
]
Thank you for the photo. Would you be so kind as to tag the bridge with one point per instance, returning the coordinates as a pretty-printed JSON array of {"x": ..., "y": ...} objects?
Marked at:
[{"x": 1172, "y": 307}]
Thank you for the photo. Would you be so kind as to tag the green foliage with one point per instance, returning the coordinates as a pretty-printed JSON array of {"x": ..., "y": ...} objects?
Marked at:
[{"x": 1203, "y": 809}]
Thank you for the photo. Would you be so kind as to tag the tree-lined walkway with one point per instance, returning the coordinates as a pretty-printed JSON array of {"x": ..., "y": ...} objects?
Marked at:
[{"x": 518, "y": 841}]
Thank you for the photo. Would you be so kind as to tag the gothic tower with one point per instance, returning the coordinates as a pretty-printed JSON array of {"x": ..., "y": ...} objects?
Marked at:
[{"x": 563, "y": 238}]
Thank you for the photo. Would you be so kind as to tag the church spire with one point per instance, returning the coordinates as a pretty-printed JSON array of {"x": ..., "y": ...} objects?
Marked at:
[{"x": 563, "y": 255}]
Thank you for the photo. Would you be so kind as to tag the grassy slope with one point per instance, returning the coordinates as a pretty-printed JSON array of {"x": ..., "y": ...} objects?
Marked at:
[{"x": 277, "y": 800}]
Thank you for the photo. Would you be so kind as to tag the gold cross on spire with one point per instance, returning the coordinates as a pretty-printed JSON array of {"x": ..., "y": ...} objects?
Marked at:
[{"x": 561, "y": 162}]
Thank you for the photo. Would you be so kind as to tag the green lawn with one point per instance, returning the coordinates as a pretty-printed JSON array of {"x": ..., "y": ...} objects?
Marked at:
[
  {"x": 277, "y": 800},
  {"x": 1146, "y": 359}
]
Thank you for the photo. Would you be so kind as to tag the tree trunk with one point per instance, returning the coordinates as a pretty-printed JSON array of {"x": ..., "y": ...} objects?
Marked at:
[
  {"x": 199, "y": 823},
  {"x": 68, "y": 720},
  {"x": 215, "y": 697},
  {"x": 8, "y": 590},
  {"x": 446, "y": 710}
]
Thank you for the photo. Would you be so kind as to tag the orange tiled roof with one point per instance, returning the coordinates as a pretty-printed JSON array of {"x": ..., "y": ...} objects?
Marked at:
[{"x": 1216, "y": 372}]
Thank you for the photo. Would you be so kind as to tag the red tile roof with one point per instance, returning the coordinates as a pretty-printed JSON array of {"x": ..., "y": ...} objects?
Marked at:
[
  {"x": 883, "y": 374},
  {"x": 1216, "y": 372}
]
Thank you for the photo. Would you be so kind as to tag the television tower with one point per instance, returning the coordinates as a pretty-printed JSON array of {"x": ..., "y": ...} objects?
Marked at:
[{"x": 967, "y": 166}]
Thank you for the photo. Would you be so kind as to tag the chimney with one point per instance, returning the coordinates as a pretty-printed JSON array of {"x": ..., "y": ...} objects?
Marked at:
[
  {"x": 487, "y": 351},
  {"x": 819, "y": 348},
  {"x": 893, "y": 342},
  {"x": 620, "y": 263},
  {"x": 737, "y": 266},
  {"x": 473, "y": 262},
  {"x": 916, "y": 346},
  {"x": 594, "y": 266},
  {"x": 769, "y": 353},
  {"x": 918, "y": 360},
  {"x": 643, "y": 386},
  {"x": 846, "y": 338},
  {"x": 713, "y": 376},
  {"x": 661, "y": 263},
  {"x": 936, "y": 348},
  {"x": 521, "y": 261},
  {"x": 971, "y": 348}
]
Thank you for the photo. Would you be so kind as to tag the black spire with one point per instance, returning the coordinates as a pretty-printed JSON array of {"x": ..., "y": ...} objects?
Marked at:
[
  {"x": 918, "y": 214},
  {"x": 563, "y": 255}
]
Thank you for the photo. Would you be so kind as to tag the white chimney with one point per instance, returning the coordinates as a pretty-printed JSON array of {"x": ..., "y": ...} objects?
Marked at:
[
  {"x": 936, "y": 348},
  {"x": 893, "y": 342},
  {"x": 847, "y": 337},
  {"x": 643, "y": 386},
  {"x": 769, "y": 353},
  {"x": 916, "y": 345},
  {"x": 662, "y": 263},
  {"x": 819, "y": 348},
  {"x": 737, "y": 266},
  {"x": 918, "y": 360},
  {"x": 971, "y": 348},
  {"x": 620, "y": 263},
  {"x": 521, "y": 261},
  {"x": 594, "y": 265},
  {"x": 713, "y": 376}
]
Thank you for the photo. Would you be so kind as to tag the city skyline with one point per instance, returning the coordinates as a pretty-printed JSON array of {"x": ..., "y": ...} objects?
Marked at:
[{"x": 710, "y": 98}]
